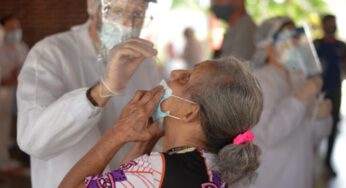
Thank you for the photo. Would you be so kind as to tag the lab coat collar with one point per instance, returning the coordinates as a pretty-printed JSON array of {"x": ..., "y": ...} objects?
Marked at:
[{"x": 83, "y": 37}]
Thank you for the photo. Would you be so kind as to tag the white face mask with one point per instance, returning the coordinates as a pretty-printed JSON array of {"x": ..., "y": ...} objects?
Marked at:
[
  {"x": 14, "y": 37},
  {"x": 113, "y": 33}
]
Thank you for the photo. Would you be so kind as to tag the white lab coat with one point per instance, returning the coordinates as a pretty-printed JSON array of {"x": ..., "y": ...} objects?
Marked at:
[
  {"x": 12, "y": 57},
  {"x": 57, "y": 124},
  {"x": 2, "y": 35},
  {"x": 286, "y": 134}
]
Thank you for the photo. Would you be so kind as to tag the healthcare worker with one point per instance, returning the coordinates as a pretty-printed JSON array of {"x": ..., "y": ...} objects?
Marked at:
[
  {"x": 13, "y": 52},
  {"x": 2, "y": 34},
  {"x": 293, "y": 121},
  {"x": 193, "y": 51},
  {"x": 74, "y": 84},
  {"x": 239, "y": 38}
]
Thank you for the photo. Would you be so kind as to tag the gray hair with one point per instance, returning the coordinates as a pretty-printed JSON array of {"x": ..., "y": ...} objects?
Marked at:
[{"x": 231, "y": 103}]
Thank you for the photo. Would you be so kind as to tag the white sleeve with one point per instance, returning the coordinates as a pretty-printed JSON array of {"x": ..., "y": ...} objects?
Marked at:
[
  {"x": 50, "y": 119},
  {"x": 279, "y": 119},
  {"x": 321, "y": 128}
]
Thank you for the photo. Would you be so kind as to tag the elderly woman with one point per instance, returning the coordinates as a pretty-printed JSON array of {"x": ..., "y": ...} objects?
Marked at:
[{"x": 207, "y": 116}]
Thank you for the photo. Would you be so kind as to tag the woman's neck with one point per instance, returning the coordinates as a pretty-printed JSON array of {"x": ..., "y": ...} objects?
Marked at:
[
  {"x": 93, "y": 33},
  {"x": 182, "y": 135}
]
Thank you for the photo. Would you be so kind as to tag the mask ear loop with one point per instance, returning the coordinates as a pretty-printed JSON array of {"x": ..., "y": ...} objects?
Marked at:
[
  {"x": 174, "y": 117},
  {"x": 186, "y": 100}
]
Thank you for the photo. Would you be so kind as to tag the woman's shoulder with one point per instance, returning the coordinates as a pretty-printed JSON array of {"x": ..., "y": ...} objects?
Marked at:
[
  {"x": 144, "y": 171},
  {"x": 148, "y": 162},
  {"x": 152, "y": 157}
]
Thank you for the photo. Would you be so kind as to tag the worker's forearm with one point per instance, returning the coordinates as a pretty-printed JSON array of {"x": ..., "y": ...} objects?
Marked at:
[
  {"x": 71, "y": 116},
  {"x": 94, "y": 162}
]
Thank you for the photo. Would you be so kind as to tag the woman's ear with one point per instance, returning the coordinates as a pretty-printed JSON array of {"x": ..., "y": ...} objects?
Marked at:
[{"x": 192, "y": 114}]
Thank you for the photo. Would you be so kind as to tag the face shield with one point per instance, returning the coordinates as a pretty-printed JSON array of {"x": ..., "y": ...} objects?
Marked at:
[
  {"x": 121, "y": 20},
  {"x": 264, "y": 38},
  {"x": 295, "y": 51}
]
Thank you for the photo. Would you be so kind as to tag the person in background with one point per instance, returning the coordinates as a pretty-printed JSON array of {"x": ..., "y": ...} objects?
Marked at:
[
  {"x": 193, "y": 52},
  {"x": 74, "y": 84},
  {"x": 207, "y": 113},
  {"x": 239, "y": 39},
  {"x": 293, "y": 121},
  {"x": 268, "y": 28},
  {"x": 13, "y": 52},
  {"x": 332, "y": 53},
  {"x": 2, "y": 35}
]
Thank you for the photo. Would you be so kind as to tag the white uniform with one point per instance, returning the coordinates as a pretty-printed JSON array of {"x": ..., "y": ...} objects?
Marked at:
[
  {"x": 240, "y": 39},
  {"x": 285, "y": 134},
  {"x": 11, "y": 59},
  {"x": 57, "y": 124},
  {"x": 2, "y": 35}
]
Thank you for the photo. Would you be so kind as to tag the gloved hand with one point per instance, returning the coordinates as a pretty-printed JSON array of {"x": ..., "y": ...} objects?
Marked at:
[
  {"x": 123, "y": 61},
  {"x": 324, "y": 109},
  {"x": 310, "y": 88}
]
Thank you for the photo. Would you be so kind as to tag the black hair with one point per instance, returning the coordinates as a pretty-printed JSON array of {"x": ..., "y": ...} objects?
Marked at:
[
  {"x": 327, "y": 17},
  {"x": 7, "y": 18}
]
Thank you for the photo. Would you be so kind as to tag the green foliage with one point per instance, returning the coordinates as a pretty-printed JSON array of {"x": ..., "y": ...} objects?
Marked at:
[{"x": 298, "y": 10}]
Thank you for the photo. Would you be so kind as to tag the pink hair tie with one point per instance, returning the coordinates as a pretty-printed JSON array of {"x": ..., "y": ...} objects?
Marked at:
[{"x": 248, "y": 136}]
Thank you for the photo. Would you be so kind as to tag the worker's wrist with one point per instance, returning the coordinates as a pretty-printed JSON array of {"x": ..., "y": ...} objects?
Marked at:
[
  {"x": 93, "y": 95},
  {"x": 115, "y": 89}
]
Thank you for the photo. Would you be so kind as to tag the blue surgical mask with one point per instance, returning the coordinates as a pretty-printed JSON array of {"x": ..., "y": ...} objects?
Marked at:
[
  {"x": 113, "y": 33},
  {"x": 14, "y": 37},
  {"x": 158, "y": 113},
  {"x": 223, "y": 12}
]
